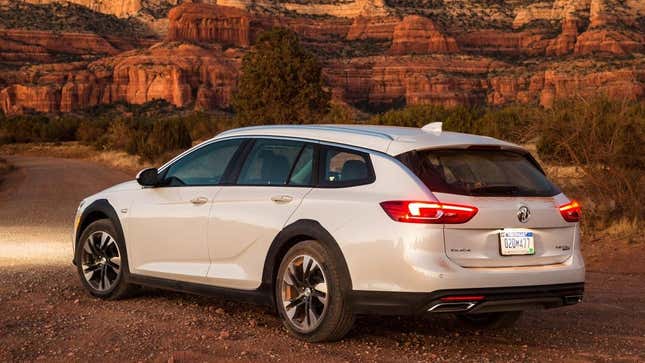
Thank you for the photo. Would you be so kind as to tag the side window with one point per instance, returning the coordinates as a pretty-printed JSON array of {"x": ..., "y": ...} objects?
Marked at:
[
  {"x": 270, "y": 162},
  {"x": 302, "y": 172},
  {"x": 204, "y": 166},
  {"x": 341, "y": 167}
]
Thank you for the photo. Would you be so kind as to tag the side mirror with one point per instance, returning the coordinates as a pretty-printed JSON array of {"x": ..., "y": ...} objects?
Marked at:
[{"x": 148, "y": 177}]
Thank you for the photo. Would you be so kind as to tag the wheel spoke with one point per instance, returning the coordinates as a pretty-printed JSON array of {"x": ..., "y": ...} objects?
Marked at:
[
  {"x": 292, "y": 306},
  {"x": 112, "y": 268},
  {"x": 289, "y": 279},
  {"x": 106, "y": 279},
  {"x": 114, "y": 265},
  {"x": 306, "y": 267},
  {"x": 91, "y": 243},
  {"x": 311, "y": 314},
  {"x": 105, "y": 241},
  {"x": 91, "y": 270},
  {"x": 321, "y": 287},
  {"x": 294, "y": 277},
  {"x": 92, "y": 267}
]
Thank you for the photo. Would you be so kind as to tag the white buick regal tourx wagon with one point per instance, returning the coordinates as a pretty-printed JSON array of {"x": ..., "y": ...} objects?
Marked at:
[{"x": 327, "y": 222}]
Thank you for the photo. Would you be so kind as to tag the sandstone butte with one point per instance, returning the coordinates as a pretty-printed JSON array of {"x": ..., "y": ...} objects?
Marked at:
[{"x": 372, "y": 55}]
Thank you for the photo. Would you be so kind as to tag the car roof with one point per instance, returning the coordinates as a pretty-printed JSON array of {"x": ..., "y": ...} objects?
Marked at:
[{"x": 393, "y": 140}]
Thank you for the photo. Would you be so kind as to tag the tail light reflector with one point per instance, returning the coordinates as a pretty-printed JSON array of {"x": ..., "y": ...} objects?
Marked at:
[
  {"x": 428, "y": 212},
  {"x": 571, "y": 211}
]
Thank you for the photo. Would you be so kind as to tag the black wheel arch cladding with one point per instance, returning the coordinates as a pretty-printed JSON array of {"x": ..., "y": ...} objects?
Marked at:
[
  {"x": 298, "y": 231},
  {"x": 98, "y": 209}
]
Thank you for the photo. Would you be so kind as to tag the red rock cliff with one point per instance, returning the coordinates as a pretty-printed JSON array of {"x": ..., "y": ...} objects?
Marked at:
[
  {"x": 418, "y": 34},
  {"x": 209, "y": 23}
]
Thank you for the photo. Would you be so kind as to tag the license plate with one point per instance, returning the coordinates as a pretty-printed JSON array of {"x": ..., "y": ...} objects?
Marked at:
[{"x": 516, "y": 242}]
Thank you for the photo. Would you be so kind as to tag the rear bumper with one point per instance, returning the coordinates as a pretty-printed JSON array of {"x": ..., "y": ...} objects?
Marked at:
[{"x": 482, "y": 300}]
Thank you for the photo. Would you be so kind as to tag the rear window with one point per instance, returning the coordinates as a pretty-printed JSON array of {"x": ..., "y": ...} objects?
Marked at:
[
  {"x": 344, "y": 168},
  {"x": 478, "y": 172}
]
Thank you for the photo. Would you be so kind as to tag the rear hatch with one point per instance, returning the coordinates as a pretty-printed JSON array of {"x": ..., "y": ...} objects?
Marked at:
[{"x": 518, "y": 222}]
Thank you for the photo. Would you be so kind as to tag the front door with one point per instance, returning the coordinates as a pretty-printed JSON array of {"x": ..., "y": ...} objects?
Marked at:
[{"x": 166, "y": 225}]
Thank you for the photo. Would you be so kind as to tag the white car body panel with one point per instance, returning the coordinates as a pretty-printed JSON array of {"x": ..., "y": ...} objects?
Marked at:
[
  {"x": 225, "y": 241},
  {"x": 243, "y": 222}
]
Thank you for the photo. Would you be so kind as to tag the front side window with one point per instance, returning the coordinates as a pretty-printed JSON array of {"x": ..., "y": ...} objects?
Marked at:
[
  {"x": 478, "y": 172},
  {"x": 270, "y": 162},
  {"x": 204, "y": 166},
  {"x": 341, "y": 167}
]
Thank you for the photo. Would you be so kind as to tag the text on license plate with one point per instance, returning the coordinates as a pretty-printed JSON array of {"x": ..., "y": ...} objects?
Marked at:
[{"x": 516, "y": 242}]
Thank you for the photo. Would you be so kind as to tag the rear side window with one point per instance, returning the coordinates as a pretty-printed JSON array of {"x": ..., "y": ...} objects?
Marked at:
[
  {"x": 270, "y": 162},
  {"x": 342, "y": 168},
  {"x": 302, "y": 173},
  {"x": 478, "y": 172}
]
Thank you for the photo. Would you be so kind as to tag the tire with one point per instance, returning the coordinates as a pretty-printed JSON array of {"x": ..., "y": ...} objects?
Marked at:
[
  {"x": 98, "y": 252},
  {"x": 500, "y": 320},
  {"x": 322, "y": 291}
]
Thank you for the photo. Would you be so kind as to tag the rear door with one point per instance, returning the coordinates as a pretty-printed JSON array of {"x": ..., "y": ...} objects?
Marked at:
[
  {"x": 518, "y": 222},
  {"x": 248, "y": 214}
]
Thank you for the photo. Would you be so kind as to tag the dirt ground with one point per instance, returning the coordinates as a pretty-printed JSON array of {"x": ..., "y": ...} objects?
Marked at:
[{"x": 46, "y": 315}]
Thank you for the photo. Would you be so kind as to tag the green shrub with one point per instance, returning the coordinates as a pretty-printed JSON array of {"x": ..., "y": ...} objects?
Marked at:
[
  {"x": 24, "y": 128},
  {"x": 167, "y": 135},
  {"x": 281, "y": 82},
  {"x": 605, "y": 141},
  {"x": 595, "y": 132},
  {"x": 460, "y": 118},
  {"x": 93, "y": 132},
  {"x": 512, "y": 123},
  {"x": 60, "y": 129},
  {"x": 202, "y": 125}
]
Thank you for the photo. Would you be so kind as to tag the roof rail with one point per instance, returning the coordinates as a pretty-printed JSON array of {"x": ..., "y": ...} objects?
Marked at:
[{"x": 325, "y": 127}]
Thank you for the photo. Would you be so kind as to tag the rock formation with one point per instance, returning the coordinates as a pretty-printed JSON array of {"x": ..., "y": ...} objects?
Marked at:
[
  {"x": 18, "y": 45},
  {"x": 181, "y": 74},
  {"x": 566, "y": 41},
  {"x": 209, "y": 23},
  {"x": 538, "y": 53},
  {"x": 419, "y": 35},
  {"x": 348, "y": 10},
  {"x": 372, "y": 28},
  {"x": 122, "y": 8}
]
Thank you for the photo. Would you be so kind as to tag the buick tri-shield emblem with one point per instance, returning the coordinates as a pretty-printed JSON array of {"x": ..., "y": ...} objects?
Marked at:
[{"x": 523, "y": 214}]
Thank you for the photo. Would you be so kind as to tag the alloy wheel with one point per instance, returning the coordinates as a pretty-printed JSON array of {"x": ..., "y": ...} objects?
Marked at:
[
  {"x": 304, "y": 293},
  {"x": 101, "y": 261}
]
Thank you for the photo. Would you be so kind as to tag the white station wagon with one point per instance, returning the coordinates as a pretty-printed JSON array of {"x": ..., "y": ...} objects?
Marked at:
[{"x": 325, "y": 222}]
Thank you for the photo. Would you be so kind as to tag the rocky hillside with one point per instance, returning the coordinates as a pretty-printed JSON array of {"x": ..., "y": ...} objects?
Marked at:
[{"x": 376, "y": 53}]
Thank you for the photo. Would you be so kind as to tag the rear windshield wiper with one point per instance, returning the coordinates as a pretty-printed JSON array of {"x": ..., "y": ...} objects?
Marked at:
[{"x": 496, "y": 189}]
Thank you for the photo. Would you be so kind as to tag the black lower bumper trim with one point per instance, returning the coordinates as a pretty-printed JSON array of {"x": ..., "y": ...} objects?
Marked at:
[{"x": 495, "y": 299}]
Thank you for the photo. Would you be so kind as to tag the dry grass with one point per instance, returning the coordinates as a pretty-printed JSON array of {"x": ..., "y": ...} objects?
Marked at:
[{"x": 74, "y": 150}]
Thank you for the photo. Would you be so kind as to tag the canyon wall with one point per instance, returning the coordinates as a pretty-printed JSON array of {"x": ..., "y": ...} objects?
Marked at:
[
  {"x": 182, "y": 74},
  {"x": 387, "y": 59}
]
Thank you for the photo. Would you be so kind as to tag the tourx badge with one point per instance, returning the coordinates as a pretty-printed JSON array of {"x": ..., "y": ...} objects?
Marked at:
[{"x": 523, "y": 214}]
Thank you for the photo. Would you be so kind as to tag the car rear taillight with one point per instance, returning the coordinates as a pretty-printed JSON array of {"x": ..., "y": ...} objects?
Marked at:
[
  {"x": 428, "y": 212},
  {"x": 571, "y": 211}
]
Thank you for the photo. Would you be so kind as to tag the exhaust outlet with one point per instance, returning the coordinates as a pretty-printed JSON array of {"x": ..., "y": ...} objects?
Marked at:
[{"x": 452, "y": 307}]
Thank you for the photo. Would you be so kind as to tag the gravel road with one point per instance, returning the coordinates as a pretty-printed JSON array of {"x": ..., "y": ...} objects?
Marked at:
[{"x": 45, "y": 314}]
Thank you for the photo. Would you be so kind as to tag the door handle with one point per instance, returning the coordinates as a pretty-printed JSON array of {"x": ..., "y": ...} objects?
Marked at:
[
  {"x": 282, "y": 198},
  {"x": 199, "y": 200}
]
